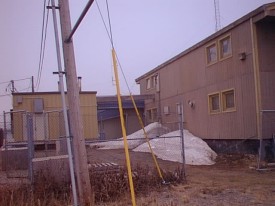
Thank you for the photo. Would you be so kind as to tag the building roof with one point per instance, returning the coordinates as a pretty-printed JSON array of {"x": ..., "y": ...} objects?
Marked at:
[
  {"x": 52, "y": 92},
  {"x": 114, "y": 105},
  {"x": 107, "y": 106},
  {"x": 263, "y": 11},
  {"x": 123, "y": 98}
]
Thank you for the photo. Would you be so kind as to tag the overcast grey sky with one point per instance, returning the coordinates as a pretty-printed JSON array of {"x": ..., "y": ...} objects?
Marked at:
[{"x": 146, "y": 33}]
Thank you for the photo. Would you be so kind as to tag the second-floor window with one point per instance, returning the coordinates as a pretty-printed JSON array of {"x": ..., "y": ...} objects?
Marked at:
[
  {"x": 225, "y": 47},
  {"x": 152, "y": 82},
  {"x": 148, "y": 83},
  {"x": 211, "y": 52}
]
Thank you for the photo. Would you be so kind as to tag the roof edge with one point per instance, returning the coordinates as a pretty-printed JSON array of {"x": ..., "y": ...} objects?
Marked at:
[
  {"x": 51, "y": 92},
  {"x": 209, "y": 38}
]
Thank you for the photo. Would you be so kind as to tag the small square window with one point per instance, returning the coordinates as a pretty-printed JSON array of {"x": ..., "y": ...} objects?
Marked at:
[
  {"x": 214, "y": 103},
  {"x": 225, "y": 47},
  {"x": 211, "y": 52},
  {"x": 228, "y": 99}
]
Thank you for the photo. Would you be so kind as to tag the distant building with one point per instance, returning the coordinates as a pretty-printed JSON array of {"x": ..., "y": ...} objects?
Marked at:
[
  {"x": 226, "y": 83},
  {"x": 48, "y": 120},
  {"x": 109, "y": 119}
]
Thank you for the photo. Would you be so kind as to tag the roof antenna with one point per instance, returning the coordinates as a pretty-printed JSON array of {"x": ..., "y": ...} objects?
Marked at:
[{"x": 217, "y": 15}]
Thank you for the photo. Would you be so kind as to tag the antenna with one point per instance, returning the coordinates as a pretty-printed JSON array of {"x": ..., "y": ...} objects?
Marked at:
[{"x": 217, "y": 15}]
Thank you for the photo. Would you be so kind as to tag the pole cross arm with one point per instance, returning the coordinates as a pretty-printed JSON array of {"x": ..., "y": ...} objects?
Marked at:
[
  {"x": 50, "y": 7},
  {"x": 84, "y": 12}
]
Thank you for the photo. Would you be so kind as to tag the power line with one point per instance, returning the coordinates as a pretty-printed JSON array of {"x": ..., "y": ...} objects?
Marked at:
[
  {"x": 5, "y": 82},
  {"x": 42, "y": 44},
  {"x": 5, "y": 95},
  {"x": 16, "y": 80},
  {"x": 109, "y": 33},
  {"x": 110, "y": 26}
]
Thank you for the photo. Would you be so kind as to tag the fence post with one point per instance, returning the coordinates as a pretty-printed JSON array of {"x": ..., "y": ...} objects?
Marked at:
[
  {"x": 180, "y": 118},
  {"x": 30, "y": 146},
  {"x": 5, "y": 131}
]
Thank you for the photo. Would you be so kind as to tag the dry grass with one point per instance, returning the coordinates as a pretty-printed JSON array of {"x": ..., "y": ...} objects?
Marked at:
[{"x": 109, "y": 186}]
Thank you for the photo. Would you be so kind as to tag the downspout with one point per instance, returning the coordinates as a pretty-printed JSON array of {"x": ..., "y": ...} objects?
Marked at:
[
  {"x": 256, "y": 69},
  {"x": 157, "y": 88}
]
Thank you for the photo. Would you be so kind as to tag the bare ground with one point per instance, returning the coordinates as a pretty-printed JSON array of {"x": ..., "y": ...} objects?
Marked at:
[{"x": 233, "y": 180}]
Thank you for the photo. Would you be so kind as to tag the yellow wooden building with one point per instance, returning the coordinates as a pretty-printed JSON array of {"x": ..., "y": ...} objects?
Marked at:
[{"x": 47, "y": 115}]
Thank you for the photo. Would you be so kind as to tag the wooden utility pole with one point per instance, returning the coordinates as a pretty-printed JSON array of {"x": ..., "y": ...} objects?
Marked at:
[{"x": 86, "y": 195}]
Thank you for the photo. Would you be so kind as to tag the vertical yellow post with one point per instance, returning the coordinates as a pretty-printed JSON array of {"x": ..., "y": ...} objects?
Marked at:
[{"x": 130, "y": 177}]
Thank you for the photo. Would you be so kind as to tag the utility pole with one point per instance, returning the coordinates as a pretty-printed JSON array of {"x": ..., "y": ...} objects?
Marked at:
[
  {"x": 86, "y": 195},
  {"x": 64, "y": 107}
]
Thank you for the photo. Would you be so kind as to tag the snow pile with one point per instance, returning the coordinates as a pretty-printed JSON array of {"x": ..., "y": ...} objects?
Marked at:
[
  {"x": 135, "y": 139},
  {"x": 197, "y": 152}
]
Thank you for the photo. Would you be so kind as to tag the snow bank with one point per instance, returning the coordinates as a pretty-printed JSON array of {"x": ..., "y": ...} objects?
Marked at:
[
  {"x": 135, "y": 139},
  {"x": 197, "y": 152}
]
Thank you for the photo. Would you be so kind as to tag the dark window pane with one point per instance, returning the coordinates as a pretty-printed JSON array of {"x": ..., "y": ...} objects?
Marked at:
[{"x": 229, "y": 100}]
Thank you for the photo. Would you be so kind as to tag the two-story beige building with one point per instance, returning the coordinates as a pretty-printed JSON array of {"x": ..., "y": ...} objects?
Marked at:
[{"x": 226, "y": 83}]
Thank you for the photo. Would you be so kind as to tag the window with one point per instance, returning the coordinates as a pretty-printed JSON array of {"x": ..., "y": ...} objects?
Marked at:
[
  {"x": 156, "y": 82},
  {"x": 225, "y": 47},
  {"x": 211, "y": 52},
  {"x": 152, "y": 82},
  {"x": 228, "y": 100},
  {"x": 214, "y": 103},
  {"x": 166, "y": 110},
  {"x": 152, "y": 115},
  {"x": 148, "y": 83}
]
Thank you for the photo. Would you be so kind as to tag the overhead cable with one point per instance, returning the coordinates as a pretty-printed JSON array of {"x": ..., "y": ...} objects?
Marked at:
[{"x": 42, "y": 44}]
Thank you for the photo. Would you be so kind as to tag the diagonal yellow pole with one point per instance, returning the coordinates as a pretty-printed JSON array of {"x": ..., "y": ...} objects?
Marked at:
[
  {"x": 147, "y": 139},
  {"x": 130, "y": 177}
]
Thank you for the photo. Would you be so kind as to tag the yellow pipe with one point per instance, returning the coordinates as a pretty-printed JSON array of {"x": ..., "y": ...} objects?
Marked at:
[
  {"x": 146, "y": 137},
  {"x": 123, "y": 130}
]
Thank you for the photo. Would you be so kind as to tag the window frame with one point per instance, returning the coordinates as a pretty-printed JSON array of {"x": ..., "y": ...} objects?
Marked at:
[
  {"x": 210, "y": 105},
  {"x": 207, "y": 49},
  {"x": 151, "y": 115},
  {"x": 152, "y": 82},
  {"x": 223, "y": 100},
  {"x": 222, "y": 55},
  {"x": 148, "y": 83}
]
